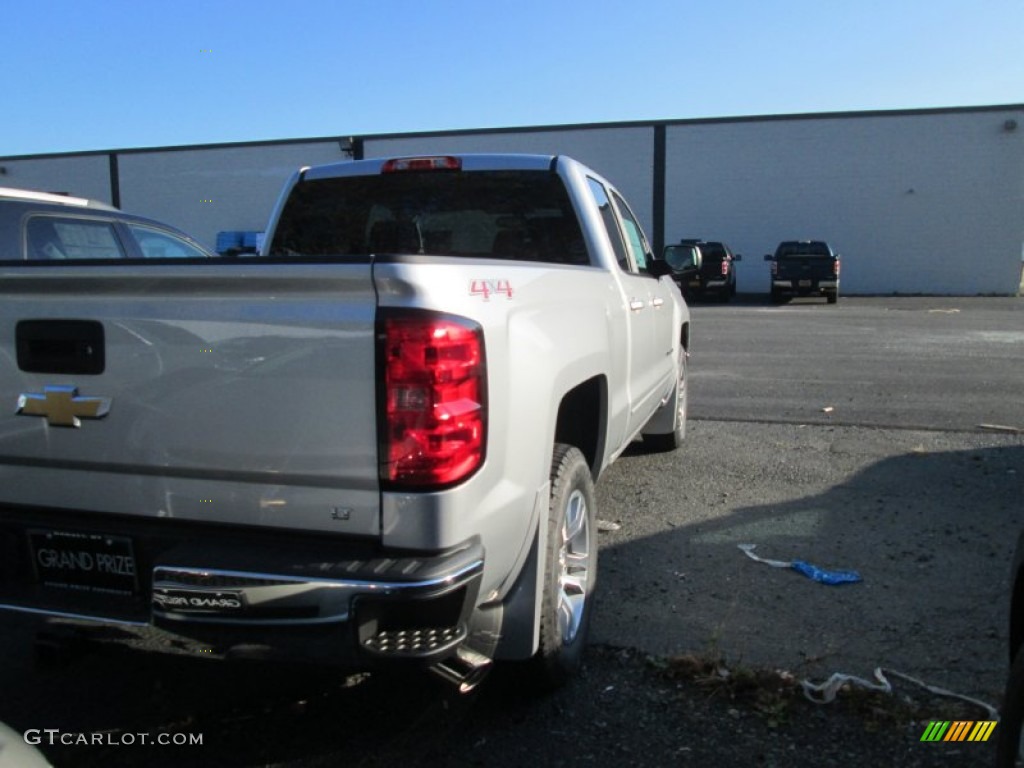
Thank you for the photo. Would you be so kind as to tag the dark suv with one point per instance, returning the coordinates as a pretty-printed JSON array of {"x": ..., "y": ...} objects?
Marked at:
[
  {"x": 38, "y": 226},
  {"x": 717, "y": 275}
]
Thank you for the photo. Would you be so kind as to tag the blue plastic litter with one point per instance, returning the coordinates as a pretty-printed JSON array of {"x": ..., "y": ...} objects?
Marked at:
[
  {"x": 823, "y": 576},
  {"x": 819, "y": 575}
]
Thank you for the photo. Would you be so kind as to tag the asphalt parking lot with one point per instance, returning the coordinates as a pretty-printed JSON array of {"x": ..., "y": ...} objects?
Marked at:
[
  {"x": 850, "y": 437},
  {"x": 847, "y": 436}
]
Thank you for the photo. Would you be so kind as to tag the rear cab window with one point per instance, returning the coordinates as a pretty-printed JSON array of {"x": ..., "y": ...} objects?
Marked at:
[
  {"x": 809, "y": 248},
  {"x": 521, "y": 215}
]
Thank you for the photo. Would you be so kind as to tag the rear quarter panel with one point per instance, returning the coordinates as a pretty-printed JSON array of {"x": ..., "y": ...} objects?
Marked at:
[{"x": 555, "y": 327}]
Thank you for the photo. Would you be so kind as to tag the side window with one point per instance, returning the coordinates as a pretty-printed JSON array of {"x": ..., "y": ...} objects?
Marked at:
[
  {"x": 155, "y": 244},
  {"x": 634, "y": 234},
  {"x": 610, "y": 224},
  {"x": 51, "y": 237}
]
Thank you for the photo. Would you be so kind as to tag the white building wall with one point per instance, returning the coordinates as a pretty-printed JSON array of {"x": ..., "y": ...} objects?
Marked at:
[
  {"x": 625, "y": 156},
  {"x": 917, "y": 203},
  {"x": 77, "y": 175},
  {"x": 207, "y": 190}
]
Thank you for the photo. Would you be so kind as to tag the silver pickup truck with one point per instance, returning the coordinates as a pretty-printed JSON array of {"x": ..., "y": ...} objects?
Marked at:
[{"x": 376, "y": 440}]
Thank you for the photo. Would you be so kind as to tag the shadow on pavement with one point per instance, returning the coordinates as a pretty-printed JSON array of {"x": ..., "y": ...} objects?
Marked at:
[{"x": 931, "y": 533}]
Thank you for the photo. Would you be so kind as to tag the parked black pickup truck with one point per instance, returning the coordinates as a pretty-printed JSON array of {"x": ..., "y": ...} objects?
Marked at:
[{"x": 804, "y": 268}]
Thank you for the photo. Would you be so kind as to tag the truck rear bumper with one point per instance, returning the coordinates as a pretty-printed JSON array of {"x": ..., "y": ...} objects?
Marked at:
[
  {"x": 241, "y": 588},
  {"x": 812, "y": 285}
]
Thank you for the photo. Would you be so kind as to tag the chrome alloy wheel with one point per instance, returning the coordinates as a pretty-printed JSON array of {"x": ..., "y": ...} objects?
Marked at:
[
  {"x": 682, "y": 394},
  {"x": 574, "y": 566}
]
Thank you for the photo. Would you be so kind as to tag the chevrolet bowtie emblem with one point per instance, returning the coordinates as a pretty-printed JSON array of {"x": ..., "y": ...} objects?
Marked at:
[{"x": 62, "y": 407}]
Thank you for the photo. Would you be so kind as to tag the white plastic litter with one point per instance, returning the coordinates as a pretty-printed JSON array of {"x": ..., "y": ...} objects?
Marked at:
[
  {"x": 825, "y": 693},
  {"x": 749, "y": 550}
]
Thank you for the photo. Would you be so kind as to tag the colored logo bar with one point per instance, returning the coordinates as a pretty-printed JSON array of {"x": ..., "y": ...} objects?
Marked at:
[{"x": 959, "y": 730}]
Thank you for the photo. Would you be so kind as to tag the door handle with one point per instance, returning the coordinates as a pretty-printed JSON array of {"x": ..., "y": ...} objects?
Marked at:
[
  {"x": 657, "y": 303},
  {"x": 636, "y": 305}
]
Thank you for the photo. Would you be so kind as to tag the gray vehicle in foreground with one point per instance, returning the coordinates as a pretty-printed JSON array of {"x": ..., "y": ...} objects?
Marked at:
[
  {"x": 804, "y": 268},
  {"x": 376, "y": 441}
]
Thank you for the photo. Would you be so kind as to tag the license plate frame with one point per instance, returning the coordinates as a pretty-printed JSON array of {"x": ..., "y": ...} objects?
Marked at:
[
  {"x": 83, "y": 561},
  {"x": 806, "y": 283}
]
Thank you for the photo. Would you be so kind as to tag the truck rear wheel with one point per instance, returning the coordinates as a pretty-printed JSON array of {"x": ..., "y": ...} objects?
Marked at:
[
  {"x": 570, "y": 570},
  {"x": 832, "y": 296}
]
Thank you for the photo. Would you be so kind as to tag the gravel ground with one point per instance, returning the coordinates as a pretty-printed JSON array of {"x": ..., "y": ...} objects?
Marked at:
[
  {"x": 624, "y": 710},
  {"x": 929, "y": 519}
]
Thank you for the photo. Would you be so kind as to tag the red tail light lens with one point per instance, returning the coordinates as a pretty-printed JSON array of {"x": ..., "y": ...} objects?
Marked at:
[
  {"x": 775, "y": 268},
  {"x": 433, "y": 425},
  {"x": 725, "y": 267},
  {"x": 835, "y": 267}
]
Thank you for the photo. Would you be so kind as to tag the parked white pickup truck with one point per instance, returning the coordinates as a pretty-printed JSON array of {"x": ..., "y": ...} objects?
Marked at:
[{"x": 376, "y": 440}]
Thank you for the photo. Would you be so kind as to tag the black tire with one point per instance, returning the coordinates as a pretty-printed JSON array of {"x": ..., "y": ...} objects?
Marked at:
[
  {"x": 777, "y": 297},
  {"x": 1008, "y": 747},
  {"x": 679, "y": 402},
  {"x": 832, "y": 296},
  {"x": 570, "y": 571}
]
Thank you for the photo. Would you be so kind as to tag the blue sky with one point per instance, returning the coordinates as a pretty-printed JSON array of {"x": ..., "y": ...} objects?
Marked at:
[{"x": 115, "y": 74}]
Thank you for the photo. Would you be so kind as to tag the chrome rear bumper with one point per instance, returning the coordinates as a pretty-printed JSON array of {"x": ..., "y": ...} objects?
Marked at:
[{"x": 192, "y": 594}]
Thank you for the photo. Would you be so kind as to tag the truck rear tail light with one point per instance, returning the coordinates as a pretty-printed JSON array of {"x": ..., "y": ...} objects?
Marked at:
[
  {"x": 775, "y": 269},
  {"x": 835, "y": 267},
  {"x": 433, "y": 423},
  {"x": 725, "y": 267},
  {"x": 439, "y": 163}
]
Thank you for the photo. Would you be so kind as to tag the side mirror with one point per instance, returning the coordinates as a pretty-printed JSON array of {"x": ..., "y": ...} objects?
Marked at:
[
  {"x": 682, "y": 258},
  {"x": 768, "y": 257},
  {"x": 737, "y": 257}
]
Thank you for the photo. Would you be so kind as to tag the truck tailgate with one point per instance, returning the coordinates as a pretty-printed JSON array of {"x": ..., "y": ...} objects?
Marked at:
[
  {"x": 805, "y": 266},
  {"x": 231, "y": 393}
]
